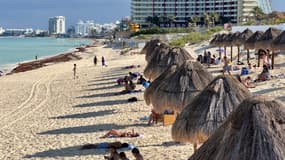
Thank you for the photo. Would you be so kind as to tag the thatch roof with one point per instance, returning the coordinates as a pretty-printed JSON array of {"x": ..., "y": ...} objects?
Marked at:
[
  {"x": 153, "y": 85},
  {"x": 250, "y": 42},
  {"x": 179, "y": 88},
  {"x": 279, "y": 42},
  {"x": 160, "y": 62},
  {"x": 227, "y": 40},
  {"x": 214, "y": 39},
  {"x": 220, "y": 39},
  {"x": 234, "y": 39},
  {"x": 154, "y": 46},
  {"x": 254, "y": 131},
  {"x": 264, "y": 42},
  {"x": 209, "y": 109},
  {"x": 240, "y": 40}
]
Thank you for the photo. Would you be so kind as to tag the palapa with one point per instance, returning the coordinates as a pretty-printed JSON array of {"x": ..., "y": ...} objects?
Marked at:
[
  {"x": 254, "y": 131},
  {"x": 153, "y": 85},
  {"x": 279, "y": 42},
  {"x": 250, "y": 42},
  {"x": 214, "y": 39},
  {"x": 264, "y": 42},
  {"x": 155, "y": 46},
  {"x": 160, "y": 62},
  {"x": 179, "y": 88},
  {"x": 200, "y": 118},
  {"x": 240, "y": 40}
]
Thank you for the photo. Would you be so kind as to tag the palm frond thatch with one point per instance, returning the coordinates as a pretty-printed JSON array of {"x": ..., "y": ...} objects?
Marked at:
[
  {"x": 154, "y": 46},
  {"x": 246, "y": 34},
  {"x": 209, "y": 109},
  {"x": 160, "y": 62},
  {"x": 255, "y": 131},
  {"x": 179, "y": 88},
  {"x": 264, "y": 42},
  {"x": 279, "y": 42},
  {"x": 250, "y": 42}
]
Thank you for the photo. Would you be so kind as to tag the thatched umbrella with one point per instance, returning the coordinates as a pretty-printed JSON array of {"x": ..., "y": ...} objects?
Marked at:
[
  {"x": 233, "y": 42},
  {"x": 153, "y": 85},
  {"x": 160, "y": 62},
  {"x": 209, "y": 110},
  {"x": 214, "y": 39},
  {"x": 227, "y": 42},
  {"x": 240, "y": 40},
  {"x": 250, "y": 42},
  {"x": 155, "y": 46},
  {"x": 179, "y": 88},
  {"x": 254, "y": 131},
  {"x": 219, "y": 42},
  {"x": 279, "y": 42},
  {"x": 264, "y": 42}
]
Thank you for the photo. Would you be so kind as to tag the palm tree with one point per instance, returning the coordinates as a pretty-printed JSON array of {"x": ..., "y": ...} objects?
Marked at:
[
  {"x": 149, "y": 20},
  {"x": 171, "y": 19},
  {"x": 257, "y": 13},
  {"x": 206, "y": 19},
  {"x": 214, "y": 17}
]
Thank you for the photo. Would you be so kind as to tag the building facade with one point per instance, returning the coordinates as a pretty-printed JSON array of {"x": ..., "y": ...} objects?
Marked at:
[
  {"x": 182, "y": 10},
  {"x": 57, "y": 25},
  {"x": 85, "y": 28}
]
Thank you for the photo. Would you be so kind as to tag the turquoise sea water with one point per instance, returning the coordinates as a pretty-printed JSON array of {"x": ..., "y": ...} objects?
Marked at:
[{"x": 14, "y": 50}]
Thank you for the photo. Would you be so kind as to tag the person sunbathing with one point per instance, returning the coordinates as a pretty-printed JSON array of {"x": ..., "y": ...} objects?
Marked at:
[
  {"x": 247, "y": 82},
  {"x": 105, "y": 145},
  {"x": 115, "y": 134}
]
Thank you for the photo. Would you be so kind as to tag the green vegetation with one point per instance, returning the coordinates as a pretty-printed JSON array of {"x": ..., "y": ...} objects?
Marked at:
[
  {"x": 195, "y": 37},
  {"x": 157, "y": 30}
]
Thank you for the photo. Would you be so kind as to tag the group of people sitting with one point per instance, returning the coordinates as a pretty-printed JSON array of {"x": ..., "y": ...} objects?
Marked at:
[
  {"x": 208, "y": 59},
  {"x": 154, "y": 116}
]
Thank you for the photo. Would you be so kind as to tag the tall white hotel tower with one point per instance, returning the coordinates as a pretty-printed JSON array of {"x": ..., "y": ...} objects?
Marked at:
[
  {"x": 57, "y": 25},
  {"x": 233, "y": 10}
]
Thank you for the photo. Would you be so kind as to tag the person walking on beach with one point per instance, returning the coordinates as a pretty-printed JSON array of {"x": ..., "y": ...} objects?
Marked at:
[
  {"x": 103, "y": 61},
  {"x": 74, "y": 71},
  {"x": 95, "y": 60}
]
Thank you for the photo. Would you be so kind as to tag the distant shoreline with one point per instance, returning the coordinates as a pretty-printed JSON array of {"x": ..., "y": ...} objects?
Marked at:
[{"x": 71, "y": 54}]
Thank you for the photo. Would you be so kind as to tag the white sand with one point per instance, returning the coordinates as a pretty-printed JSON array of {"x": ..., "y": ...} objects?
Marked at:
[{"x": 45, "y": 114}]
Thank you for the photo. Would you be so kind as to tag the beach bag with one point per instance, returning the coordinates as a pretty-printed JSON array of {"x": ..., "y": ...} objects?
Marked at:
[{"x": 244, "y": 71}]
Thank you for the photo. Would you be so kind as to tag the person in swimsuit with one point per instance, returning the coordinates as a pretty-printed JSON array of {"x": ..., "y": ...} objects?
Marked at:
[{"x": 114, "y": 133}]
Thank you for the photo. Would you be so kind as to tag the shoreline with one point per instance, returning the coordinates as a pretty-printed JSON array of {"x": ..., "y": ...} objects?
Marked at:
[{"x": 32, "y": 64}]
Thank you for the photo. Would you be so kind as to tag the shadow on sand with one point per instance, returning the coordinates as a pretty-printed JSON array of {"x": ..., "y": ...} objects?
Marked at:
[
  {"x": 86, "y": 115},
  {"x": 67, "y": 152},
  {"x": 103, "y": 88},
  {"x": 110, "y": 94},
  {"x": 281, "y": 99},
  {"x": 89, "y": 129},
  {"x": 267, "y": 90},
  {"x": 103, "y": 83},
  {"x": 103, "y": 103}
]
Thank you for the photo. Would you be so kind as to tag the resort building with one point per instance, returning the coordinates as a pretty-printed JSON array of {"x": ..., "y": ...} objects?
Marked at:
[
  {"x": 57, "y": 25},
  {"x": 182, "y": 10},
  {"x": 86, "y": 28},
  {"x": 1, "y": 30}
]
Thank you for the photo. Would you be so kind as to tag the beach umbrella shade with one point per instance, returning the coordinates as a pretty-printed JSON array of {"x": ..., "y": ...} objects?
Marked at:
[
  {"x": 179, "y": 88},
  {"x": 279, "y": 42},
  {"x": 254, "y": 131},
  {"x": 153, "y": 85},
  {"x": 219, "y": 42},
  {"x": 233, "y": 42},
  {"x": 250, "y": 42},
  {"x": 200, "y": 118},
  {"x": 155, "y": 46},
  {"x": 240, "y": 40},
  {"x": 214, "y": 39},
  {"x": 160, "y": 62},
  {"x": 264, "y": 42}
]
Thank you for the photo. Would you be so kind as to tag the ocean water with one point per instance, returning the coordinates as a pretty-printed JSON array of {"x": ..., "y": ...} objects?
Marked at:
[{"x": 14, "y": 50}]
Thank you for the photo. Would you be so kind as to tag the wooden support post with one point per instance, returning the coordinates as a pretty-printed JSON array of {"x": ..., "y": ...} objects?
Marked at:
[
  {"x": 225, "y": 51},
  {"x": 238, "y": 54},
  {"x": 220, "y": 52},
  {"x": 247, "y": 56},
  {"x": 272, "y": 61},
  {"x": 195, "y": 147},
  {"x": 231, "y": 53}
]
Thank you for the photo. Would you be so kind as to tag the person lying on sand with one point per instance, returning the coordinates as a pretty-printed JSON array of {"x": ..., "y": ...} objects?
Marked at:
[
  {"x": 115, "y": 134},
  {"x": 105, "y": 145},
  {"x": 246, "y": 82}
]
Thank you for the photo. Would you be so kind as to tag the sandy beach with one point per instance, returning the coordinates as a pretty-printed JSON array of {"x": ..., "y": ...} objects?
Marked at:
[{"x": 46, "y": 114}]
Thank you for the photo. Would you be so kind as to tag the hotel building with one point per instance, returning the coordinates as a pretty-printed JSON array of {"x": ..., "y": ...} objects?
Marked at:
[
  {"x": 57, "y": 25},
  {"x": 231, "y": 10}
]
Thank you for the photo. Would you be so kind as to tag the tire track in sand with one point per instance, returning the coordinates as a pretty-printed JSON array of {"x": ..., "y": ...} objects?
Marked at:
[{"x": 38, "y": 97}]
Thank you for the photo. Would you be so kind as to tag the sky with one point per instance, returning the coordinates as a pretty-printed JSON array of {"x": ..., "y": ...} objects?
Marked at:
[{"x": 35, "y": 13}]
